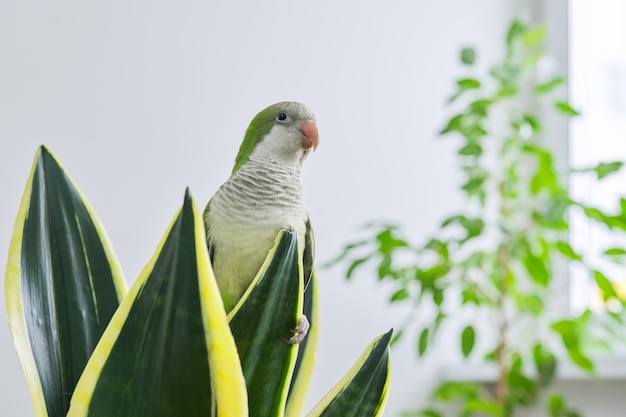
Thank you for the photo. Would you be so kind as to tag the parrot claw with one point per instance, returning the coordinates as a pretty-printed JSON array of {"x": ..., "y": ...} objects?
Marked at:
[{"x": 300, "y": 331}]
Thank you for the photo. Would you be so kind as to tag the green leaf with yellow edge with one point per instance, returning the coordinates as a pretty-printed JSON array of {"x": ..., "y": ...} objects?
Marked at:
[
  {"x": 261, "y": 322},
  {"x": 362, "y": 392},
  {"x": 168, "y": 350},
  {"x": 303, "y": 371},
  {"x": 62, "y": 286}
]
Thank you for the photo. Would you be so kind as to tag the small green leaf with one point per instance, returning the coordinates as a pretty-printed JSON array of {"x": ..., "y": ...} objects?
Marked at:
[
  {"x": 401, "y": 294},
  {"x": 556, "y": 405},
  {"x": 468, "y": 56},
  {"x": 615, "y": 252},
  {"x": 422, "y": 344},
  {"x": 567, "y": 251},
  {"x": 605, "y": 285},
  {"x": 516, "y": 29},
  {"x": 438, "y": 246},
  {"x": 468, "y": 83},
  {"x": 355, "y": 264},
  {"x": 474, "y": 184},
  {"x": 549, "y": 85},
  {"x": 454, "y": 124},
  {"x": 483, "y": 407},
  {"x": 581, "y": 360},
  {"x": 533, "y": 122},
  {"x": 480, "y": 107},
  {"x": 396, "y": 337},
  {"x": 471, "y": 149},
  {"x": 545, "y": 364},
  {"x": 437, "y": 296},
  {"x": 565, "y": 108},
  {"x": 569, "y": 331},
  {"x": 534, "y": 35},
  {"x": 603, "y": 169},
  {"x": 468, "y": 338},
  {"x": 537, "y": 269}
]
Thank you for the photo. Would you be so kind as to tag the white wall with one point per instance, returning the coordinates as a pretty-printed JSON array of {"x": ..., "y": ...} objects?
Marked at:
[{"x": 139, "y": 99}]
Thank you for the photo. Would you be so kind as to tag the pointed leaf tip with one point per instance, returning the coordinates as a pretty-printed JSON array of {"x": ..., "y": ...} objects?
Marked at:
[{"x": 188, "y": 198}]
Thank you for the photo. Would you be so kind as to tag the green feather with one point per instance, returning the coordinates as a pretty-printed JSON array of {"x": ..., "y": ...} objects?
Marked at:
[{"x": 258, "y": 128}]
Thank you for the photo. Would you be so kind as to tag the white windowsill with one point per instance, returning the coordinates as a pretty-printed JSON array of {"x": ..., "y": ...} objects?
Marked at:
[{"x": 607, "y": 368}]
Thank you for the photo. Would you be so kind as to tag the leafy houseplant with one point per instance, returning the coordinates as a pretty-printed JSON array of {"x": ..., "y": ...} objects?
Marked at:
[
  {"x": 89, "y": 347},
  {"x": 498, "y": 257}
]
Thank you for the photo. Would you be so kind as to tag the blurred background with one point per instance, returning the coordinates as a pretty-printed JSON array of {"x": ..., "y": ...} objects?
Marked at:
[{"x": 140, "y": 99}]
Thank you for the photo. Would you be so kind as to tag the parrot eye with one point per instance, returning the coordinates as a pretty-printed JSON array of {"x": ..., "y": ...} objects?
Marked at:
[{"x": 282, "y": 117}]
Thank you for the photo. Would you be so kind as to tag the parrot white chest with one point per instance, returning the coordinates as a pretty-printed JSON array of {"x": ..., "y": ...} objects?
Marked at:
[{"x": 243, "y": 219}]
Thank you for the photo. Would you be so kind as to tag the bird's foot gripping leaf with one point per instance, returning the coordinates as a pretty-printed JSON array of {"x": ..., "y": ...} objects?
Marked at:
[{"x": 301, "y": 329}]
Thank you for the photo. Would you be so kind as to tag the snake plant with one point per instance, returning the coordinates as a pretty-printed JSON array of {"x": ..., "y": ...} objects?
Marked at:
[{"x": 166, "y": 347}]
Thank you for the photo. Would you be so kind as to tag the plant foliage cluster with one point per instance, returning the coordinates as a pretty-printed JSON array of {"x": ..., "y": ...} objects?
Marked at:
[
  {"x": 499, "y": 257},
  {"x": 166, "y": 347}
]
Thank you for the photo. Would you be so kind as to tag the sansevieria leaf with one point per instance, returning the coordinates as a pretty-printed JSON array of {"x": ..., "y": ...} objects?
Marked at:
[
  {"x": 262, "y": 321},
  {"x": 306, "y": 354},
  {"x": 362, "y": 392},
  {"x": 63, "y": 284},
  {"x": 168, "y": 351}
]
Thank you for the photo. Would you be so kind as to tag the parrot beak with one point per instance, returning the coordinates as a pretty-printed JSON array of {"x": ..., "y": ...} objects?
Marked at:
[{"x": 311, "y": 136}]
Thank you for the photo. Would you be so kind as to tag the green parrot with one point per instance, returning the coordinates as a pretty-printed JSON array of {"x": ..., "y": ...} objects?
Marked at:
[{"x": 262, "y": 196}]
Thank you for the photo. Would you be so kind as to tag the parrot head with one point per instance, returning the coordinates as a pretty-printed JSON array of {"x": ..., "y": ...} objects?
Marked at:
[{"x": 284, "y": 132}]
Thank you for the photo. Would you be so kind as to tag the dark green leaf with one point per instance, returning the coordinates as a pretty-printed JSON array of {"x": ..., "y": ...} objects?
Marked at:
[
  {"x": 153, "y": 359},
  {"x": 63, "y": 283},
  {"x": 364, "y": 391},
  {"x": 263, "y": 320},
  {"x": 468, "y": 337},
  {"x": 468, "y": 56}
]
